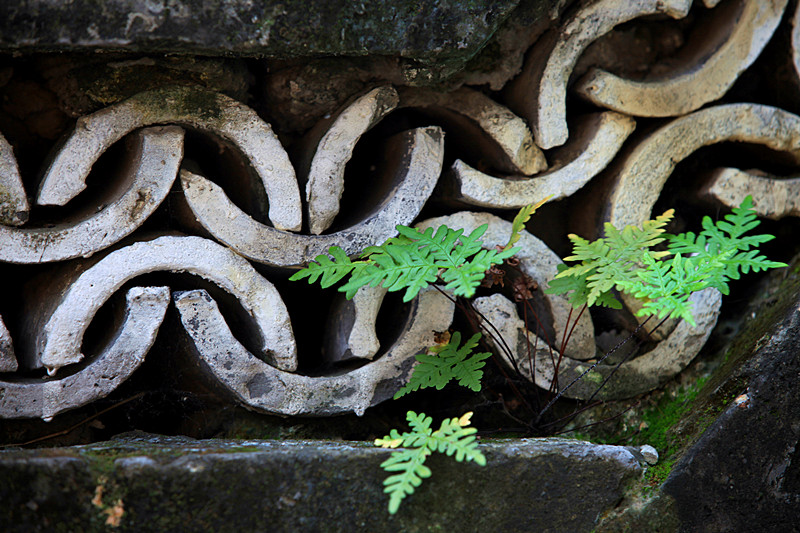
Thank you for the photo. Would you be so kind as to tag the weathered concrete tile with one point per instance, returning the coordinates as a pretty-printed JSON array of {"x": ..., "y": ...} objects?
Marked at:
[
  {"x": 45, "y": 398},
  {"x": 726, "y": 45},
  {"x": 596, "y": 141},
  {"x": 195, "y": 108},
  {"x": 264, "y": 387},
  {"x": 329, "y": 146},
  {"x": 413, "y": 163},
  {"x": 539, "y": 93},
  {"x": 63, "y": 310},
  {"x": 152, "y": 159}
]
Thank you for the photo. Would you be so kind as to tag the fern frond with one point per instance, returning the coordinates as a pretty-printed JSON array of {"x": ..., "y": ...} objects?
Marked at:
[
  {"x": 452, "y": 438},
  {"x": 448, "y": 362}
]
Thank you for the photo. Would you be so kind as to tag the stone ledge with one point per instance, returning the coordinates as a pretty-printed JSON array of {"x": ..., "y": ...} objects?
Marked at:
[
  {"x": 425, "y": 30},
  {"x": 145, "y": 482}
]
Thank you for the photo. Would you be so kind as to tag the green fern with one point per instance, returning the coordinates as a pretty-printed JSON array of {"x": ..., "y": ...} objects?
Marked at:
[
  {"x": 448, "y": 362},
  {"x": 410, "y": 262},
  {"x": 452, "y": 438},
  {"x": 625, "y": 261}
]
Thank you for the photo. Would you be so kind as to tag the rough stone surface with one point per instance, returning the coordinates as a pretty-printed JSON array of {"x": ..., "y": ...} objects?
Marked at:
[
  {"x": 773, "y": 196},
  {"x": 726, "y": 45},
  {"x": 266, "y": 388},
  {"x": 176, "y": 484},
  {"x": 737, "y": 466},
  {"x": 8, "y": 361},
  {"x": 62, "y": 311},
  {"x": 469, "y": 117},
  {"x": 597, "y": 139},
  {"x": 539, "y": 94},
  {"x": 234, "y": 122},
  {"x": 330, "y": 147},
  {"x": 45, "y": 398},
  {"x": 428, "y": 31},
  {"x": 150, "y": 167},
  {"x": 408, "y": 174}
]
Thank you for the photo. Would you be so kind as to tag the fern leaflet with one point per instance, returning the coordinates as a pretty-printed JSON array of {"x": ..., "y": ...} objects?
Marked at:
[
  {"x": 452, "y": 438},
  {"x": 448, "y": 362}
]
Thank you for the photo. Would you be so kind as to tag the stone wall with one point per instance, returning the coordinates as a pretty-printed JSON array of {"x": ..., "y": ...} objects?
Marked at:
[{"x": 165, "y": 168}]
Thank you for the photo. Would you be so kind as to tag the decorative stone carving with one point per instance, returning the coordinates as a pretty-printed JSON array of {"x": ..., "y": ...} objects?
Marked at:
[
  {"x": 471, "y": 116},
  {"x": 413, "y": 164},
  {"x": 330, "y": 146},
  {"x": 37, "y": 398},
  {"x": 643, "y": 170},
  {"x": 14, "y": 205},
  {"x": 350, "y": 333},
  {"x": 597, "y": 140},
  {"x": 266, "y": 388},
  {"x": 195, "y": 108},
  {"x": 727, "y": 44},
  {"x": 539, "y": 93},
  {"x": 152, "y": 159},
  {"x": 62, "y": 311}
]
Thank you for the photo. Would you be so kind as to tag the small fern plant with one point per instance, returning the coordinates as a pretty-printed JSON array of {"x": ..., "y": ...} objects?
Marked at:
[
  {"x": 453, "y": 438},
  {"x": 664, "y": 279},
  {"x": 411, "y": 261}
]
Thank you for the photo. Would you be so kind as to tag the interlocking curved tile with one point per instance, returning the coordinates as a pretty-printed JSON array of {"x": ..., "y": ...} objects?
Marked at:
[
  {"x": 45, "y": 398},
  {"x": 539, "y": 93},
  {"x": 61, "y": 315},
  {"x": 729, "y": 43},
  {"x": 773, "y": 196},
  {"x": 644, "y": 170},
  {"x": 413, "y": 164},
  {"x": 151, "y": 163},
  {"x": 263, "y": 387},
  {"x": 496, "y": 134},
  {"x": 66, "y": 176},
  {"x": 597, "y": 139},
  {"x": 330, "y": 146}
]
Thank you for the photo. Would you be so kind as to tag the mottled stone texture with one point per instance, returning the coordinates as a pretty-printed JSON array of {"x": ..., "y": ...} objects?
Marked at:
[
  {"x": 153, "y": 483},
  {"x": 427, "y": 30}
]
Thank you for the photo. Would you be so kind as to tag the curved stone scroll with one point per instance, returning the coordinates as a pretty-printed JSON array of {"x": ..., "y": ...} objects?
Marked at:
[
  {"x": 636, "y": 376},
  {"x": 645, "y": 169},
  {"x": 66, "y": 176},
  {"x": 332, "y": 143},
  {"x": 59, "y": 319},
  {"x": 598, "y": 139},
  {"x": 151, "y": 164},
  {"x": 494, "y": 131},
  {"x": 773, "y": 196},
  {"x": 263, "y": 387},
  {"x": 14, "y": 206},
  {"x": 537, "y": 261},
  {"x": 730, "y": 44},
  {"x": 29, "y": 398},
  {"x": 414, "y": 162},
  {"x": 539, "y": 93}
]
